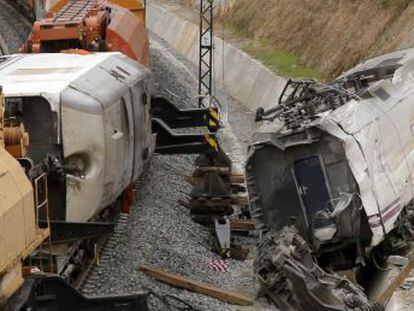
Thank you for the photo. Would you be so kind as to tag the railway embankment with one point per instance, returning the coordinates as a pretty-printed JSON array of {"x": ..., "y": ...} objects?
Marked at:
[
  {"x": 328, "y": 35},
  {"x": 245, "y": 79}
]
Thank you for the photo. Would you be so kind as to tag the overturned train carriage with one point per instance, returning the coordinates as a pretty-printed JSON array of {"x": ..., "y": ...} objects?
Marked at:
[
  {"x": 88, "y": 121},
  {"x": 336, "y": 160}
]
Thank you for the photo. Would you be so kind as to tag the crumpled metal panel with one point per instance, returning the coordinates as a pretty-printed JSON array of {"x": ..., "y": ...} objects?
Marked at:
[{"x": 290, "y": 278}]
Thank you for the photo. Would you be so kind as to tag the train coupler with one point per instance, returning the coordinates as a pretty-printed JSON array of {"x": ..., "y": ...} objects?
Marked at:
[
  {"x": 169, "y": 142},
  {"x": 185, "y": 118}
]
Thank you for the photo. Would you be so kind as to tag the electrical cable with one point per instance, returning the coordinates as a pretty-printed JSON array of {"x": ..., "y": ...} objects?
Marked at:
[
  {"x": 167, "y": 301},
  {"x": 374, "y": 260}
]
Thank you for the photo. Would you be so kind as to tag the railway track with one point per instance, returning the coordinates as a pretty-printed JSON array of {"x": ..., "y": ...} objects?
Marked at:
[{"x": 94, "y": 275}]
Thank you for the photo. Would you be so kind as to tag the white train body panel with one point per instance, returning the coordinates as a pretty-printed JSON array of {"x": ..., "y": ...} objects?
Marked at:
[
  {"x": 103, "y": 119},
  {"x": 378, "y": 137},
  {"x": 373, "y": 134}
]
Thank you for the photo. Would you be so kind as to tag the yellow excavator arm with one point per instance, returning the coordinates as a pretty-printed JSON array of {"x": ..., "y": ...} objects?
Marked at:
[{"x": 19, "y": 233}]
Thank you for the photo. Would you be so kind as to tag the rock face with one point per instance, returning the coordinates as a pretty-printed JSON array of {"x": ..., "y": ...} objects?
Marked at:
[{"x": 332, "y": 35}]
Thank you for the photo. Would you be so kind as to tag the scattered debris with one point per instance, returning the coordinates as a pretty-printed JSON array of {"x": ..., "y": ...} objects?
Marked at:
[
  {"x": 162, "y": 233},
  {"x": 223, "y": 233},
  {"x": 285, "y": 264},
  {"x": 239, "y": 253},
  {"x": 218, "y": 265},
  {"x": 202, "y": 288},
  {"x": 396, "y": 282},
  {"x": 397, "y": 260}
]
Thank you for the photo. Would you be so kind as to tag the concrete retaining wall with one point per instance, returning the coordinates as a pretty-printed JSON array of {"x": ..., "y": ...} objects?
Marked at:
[{"x": 245, "y": 79}]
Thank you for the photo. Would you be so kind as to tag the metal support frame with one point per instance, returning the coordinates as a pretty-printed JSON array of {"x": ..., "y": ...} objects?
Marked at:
[
  {"x": 63, "y": 231},
  {"x": 205, "y": 75},
  {"x": 48, "y": 293},
  {"x": 184, "y": 118},
  {"x": 169, "y": 142}
]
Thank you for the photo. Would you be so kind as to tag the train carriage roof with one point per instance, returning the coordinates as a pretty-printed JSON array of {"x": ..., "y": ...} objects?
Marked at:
[{"x": 101, "y": 75}]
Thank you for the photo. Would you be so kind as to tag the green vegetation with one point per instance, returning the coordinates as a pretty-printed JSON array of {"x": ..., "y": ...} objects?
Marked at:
[
  {"x": 385, "y": 3},
  {"x": 281, "y": 62}
]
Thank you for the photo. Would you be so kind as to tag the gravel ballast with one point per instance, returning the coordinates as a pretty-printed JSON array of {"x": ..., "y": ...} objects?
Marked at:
[
  {"x": 14, "y": 28},
  {"x": 161, "y": 232}
]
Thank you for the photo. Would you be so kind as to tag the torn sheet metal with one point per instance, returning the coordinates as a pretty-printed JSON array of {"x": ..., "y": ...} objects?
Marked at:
[{"x": 369, "y": 111}]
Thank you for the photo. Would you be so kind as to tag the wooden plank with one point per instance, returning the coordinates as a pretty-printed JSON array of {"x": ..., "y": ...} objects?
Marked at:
[
  {"x": 237, "y": 180},
  {"x": 198, "y": 287},
  {"x": 386, "y": 295},
  {"x": 239, "y": 253},
  {"x": 240, "y": 199},
  {"x": 242, "y": 224},
  {"x": 221, "y": 170}
]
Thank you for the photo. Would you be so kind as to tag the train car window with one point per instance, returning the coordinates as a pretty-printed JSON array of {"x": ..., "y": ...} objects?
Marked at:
[
  {"x": 382, "y": 94},
  {"x": 312, "y": 184}
]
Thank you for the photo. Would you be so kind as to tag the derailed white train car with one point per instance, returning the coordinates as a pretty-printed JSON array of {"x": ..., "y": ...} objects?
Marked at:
[
  {"x": 377, "y": 132},
  {"x": 88, "y": 118},
  {"x": 340, "y": 167}
]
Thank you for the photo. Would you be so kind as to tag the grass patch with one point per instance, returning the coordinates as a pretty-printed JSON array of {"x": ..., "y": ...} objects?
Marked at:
[
  {"x": 279, "y": 61},
  {"x": 385, "y": 4},
  {"x": 235, "y": 29}
]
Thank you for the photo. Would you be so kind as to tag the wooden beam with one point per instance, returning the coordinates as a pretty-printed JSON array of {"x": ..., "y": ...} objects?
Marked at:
[
  {"x": 221, "y": 170},
  {"x": 184, "y": 203},
  {"x": 241, "y": 199},
  {"x": 386, "y": 295},
  {"x": 198, "y": 287},
  {"x": 239, "y": 253},
  {"x": 242, "y": 224},
  {"x": 233, "y": 179}
]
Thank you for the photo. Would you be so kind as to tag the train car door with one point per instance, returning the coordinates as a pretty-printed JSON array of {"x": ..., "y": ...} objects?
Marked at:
[
  {"x": 312, "y": 185},
  {"x": 127, "y": 126},
  {"x": 115, "y": 148},
  {"x": 141, "y": 129}
]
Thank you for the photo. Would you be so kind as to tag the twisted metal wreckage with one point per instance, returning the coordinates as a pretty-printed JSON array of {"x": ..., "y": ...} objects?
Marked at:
[{"x": 330, "y": 182}]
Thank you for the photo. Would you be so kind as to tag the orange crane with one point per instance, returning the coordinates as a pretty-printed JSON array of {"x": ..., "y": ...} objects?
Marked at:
[{"x": 91, "y": 26}]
